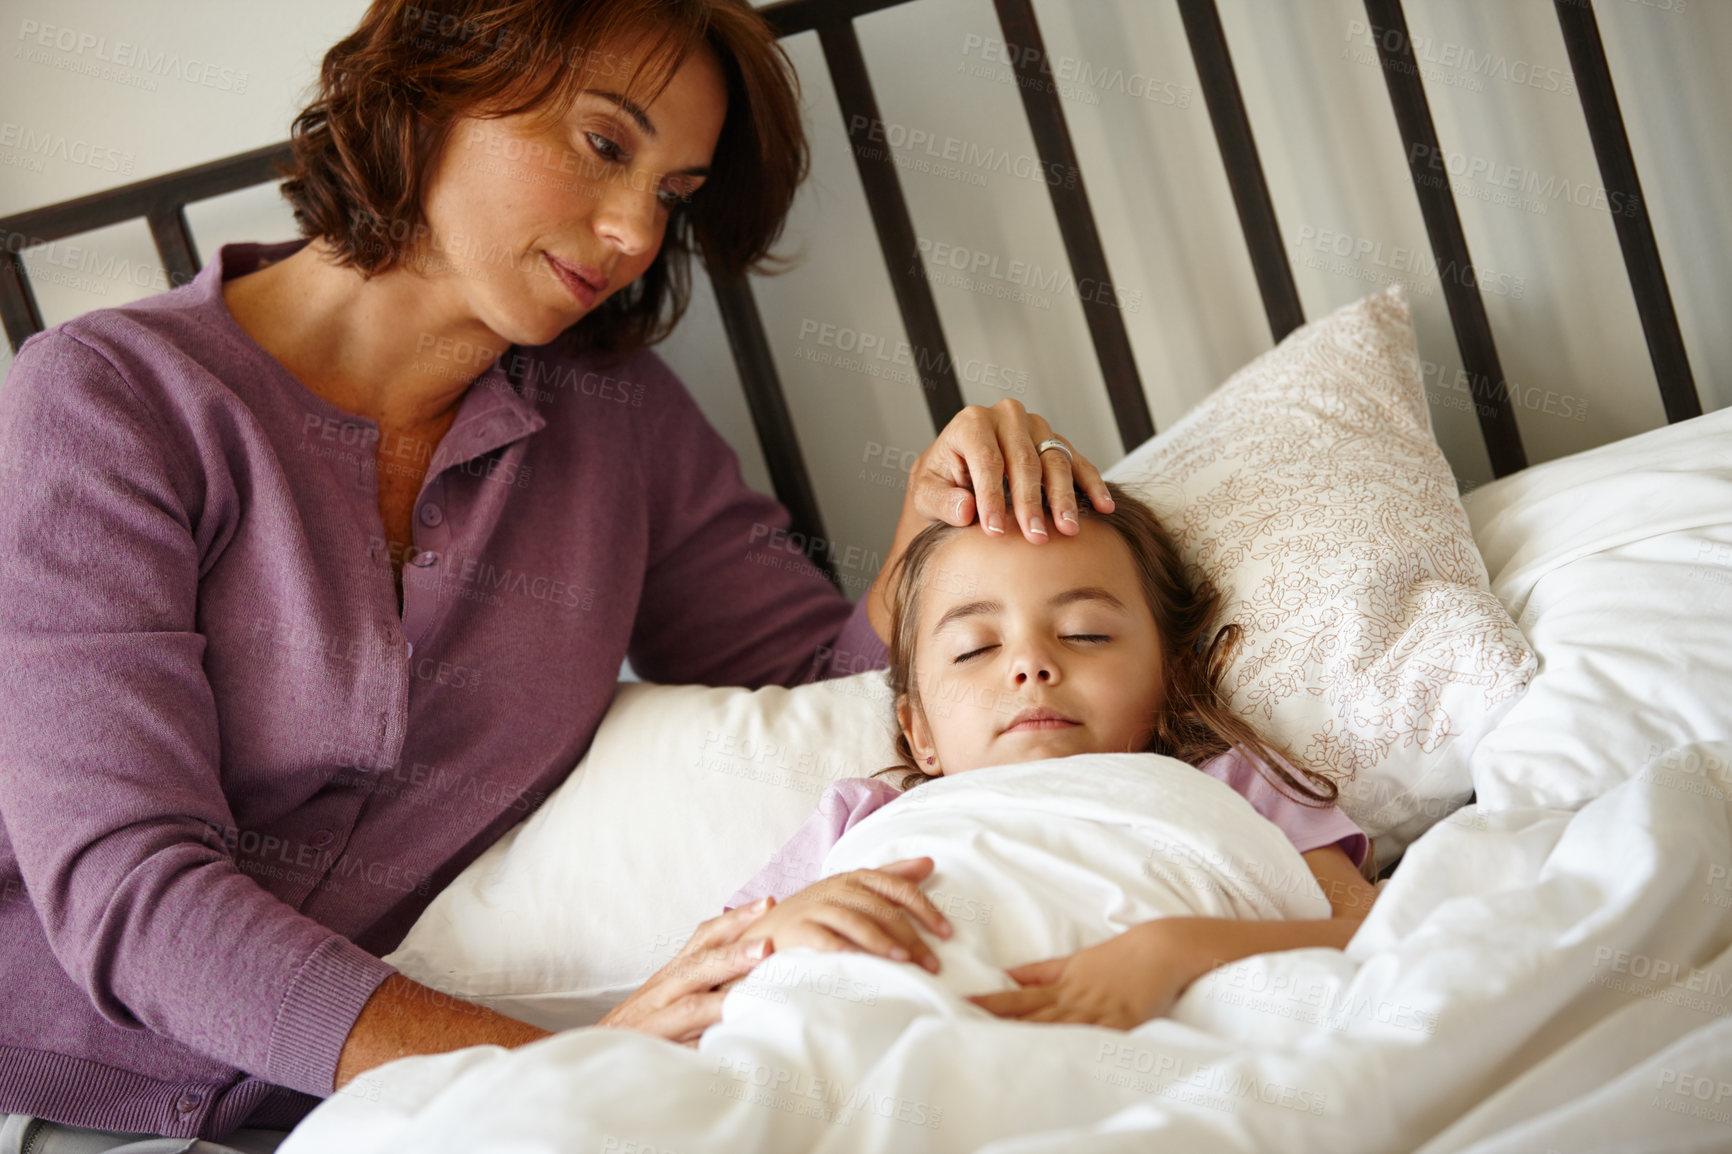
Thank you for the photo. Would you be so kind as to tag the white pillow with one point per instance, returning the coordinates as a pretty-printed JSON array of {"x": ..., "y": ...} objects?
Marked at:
[
  {"x": 1617, "y": 563},
  {"x": 1309, "y": 487},
  {"x": 684, "y": 794}
]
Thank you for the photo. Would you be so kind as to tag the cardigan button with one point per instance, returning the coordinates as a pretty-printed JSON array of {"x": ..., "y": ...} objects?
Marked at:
[
  {"x": 189, "y": 1101},
  {"x": 431, "y": 516},
  {"x": 322, "y": 839}
]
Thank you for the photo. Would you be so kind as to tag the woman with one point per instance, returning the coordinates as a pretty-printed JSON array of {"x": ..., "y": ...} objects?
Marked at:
[{"x": 320, "y": 569}]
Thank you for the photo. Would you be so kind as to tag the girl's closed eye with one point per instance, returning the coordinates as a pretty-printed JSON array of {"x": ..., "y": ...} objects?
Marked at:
[{"x": 1087, "y": 638}]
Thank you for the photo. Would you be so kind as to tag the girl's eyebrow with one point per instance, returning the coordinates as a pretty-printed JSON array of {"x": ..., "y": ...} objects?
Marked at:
[
  {"x": 982, "y": 608},
  {"x": 630, "y": 108},
  {"x": 1086, "y": 593},
  {"x": 968, "y": 609}
]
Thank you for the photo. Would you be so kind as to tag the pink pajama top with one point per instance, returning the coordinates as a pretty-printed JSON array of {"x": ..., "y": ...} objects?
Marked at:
[{"x": 847, "y": 802}]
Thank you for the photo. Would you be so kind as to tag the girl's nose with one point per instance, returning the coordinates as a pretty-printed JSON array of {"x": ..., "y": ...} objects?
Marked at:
[{"x": 1034, "y": 664}]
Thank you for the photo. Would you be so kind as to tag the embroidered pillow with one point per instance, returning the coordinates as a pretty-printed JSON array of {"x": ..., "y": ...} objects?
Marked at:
[{"x": 1309, "y": 487}]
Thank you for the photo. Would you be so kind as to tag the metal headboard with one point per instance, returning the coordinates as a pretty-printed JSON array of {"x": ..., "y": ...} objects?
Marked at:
[{"x": 162, "y": 200}]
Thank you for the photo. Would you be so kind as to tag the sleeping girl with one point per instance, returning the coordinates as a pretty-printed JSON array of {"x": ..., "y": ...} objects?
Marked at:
[{"x": 1005, "y": 652}]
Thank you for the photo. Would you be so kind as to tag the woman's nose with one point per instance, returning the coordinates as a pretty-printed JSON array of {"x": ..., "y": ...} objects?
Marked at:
[{"x": 626, "y": 217}]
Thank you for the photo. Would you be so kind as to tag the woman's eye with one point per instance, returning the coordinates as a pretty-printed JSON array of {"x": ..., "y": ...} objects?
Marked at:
[
  {"x": 972, "y": 653},
  {"x": 669, "y": 198},
  {"x": 602, "y": 144},
  {"x": 1087, "y": 637}
]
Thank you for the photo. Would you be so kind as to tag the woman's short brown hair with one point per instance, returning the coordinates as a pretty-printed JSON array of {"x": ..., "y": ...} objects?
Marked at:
[{"x": 389, "y": 93}]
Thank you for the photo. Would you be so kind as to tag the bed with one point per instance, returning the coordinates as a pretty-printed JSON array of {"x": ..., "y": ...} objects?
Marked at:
[{"x": 1549, "y": 965}]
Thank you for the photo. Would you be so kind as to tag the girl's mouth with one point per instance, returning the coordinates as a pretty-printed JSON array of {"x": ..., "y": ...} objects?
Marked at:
[
  {"x": 1049, "y": 723},
  {"x": 1031, "y": 720}
]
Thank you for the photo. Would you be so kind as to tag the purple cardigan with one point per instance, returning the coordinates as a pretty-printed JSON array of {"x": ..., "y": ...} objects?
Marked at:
[{"x": 231, "y": 773}]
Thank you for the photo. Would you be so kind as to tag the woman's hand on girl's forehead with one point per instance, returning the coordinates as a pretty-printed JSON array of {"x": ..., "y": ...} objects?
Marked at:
[{"x": 962, "y": 476}]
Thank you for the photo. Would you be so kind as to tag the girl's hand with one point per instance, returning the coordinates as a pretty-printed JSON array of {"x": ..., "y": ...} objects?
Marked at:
[
  {"x": 961, "y": 474},
  {"x": 681, "y": 1000},
  {"x": 1121, "y": 983},
  {"x": 873, "y": 911}
]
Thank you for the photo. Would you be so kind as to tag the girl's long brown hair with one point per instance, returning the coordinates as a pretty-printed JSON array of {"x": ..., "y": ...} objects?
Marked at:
[{"x": 1195, "y": 723}]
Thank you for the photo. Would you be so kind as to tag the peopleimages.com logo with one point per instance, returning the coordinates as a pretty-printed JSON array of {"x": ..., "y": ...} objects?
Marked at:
[{"x": 91, "y": 50}]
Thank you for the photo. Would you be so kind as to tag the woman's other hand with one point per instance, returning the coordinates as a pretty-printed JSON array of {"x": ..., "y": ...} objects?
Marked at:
[
  {"x": 961, "y": 475},
  {"x": 872, "y": 911},
  {"x": 681, "y": 1000}
]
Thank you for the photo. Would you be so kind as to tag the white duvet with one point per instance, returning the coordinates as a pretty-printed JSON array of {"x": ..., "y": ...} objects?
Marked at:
[{"x": 1529, "y": 980}]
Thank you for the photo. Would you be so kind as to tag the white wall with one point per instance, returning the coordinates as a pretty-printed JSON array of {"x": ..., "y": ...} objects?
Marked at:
[{"x": 1565, "y": 323}]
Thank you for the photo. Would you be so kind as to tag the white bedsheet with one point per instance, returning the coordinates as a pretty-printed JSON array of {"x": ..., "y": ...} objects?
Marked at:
[{"x": 1530, "y": 979}]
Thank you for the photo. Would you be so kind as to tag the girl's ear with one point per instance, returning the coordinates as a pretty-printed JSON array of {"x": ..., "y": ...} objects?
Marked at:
[{"x": 914, "y": 727}]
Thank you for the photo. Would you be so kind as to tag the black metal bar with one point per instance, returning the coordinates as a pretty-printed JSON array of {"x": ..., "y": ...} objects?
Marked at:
[
  {"x": 168, "y": 229},
  {"x": 791, "y": 16},
  {"x": 769, "y": 407},
  {"x": 1076, "y": 222},
  {"x": 890, "y": 220},
  {"x": 18, "y": 308},
  {"x": 1238, "y": 149},
  {"x": 160, "y": 200},
  {"x": 1629, "y": 210},
  {"x": 1490, "y": 389},
  {"x": 141, "y": 198}
]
